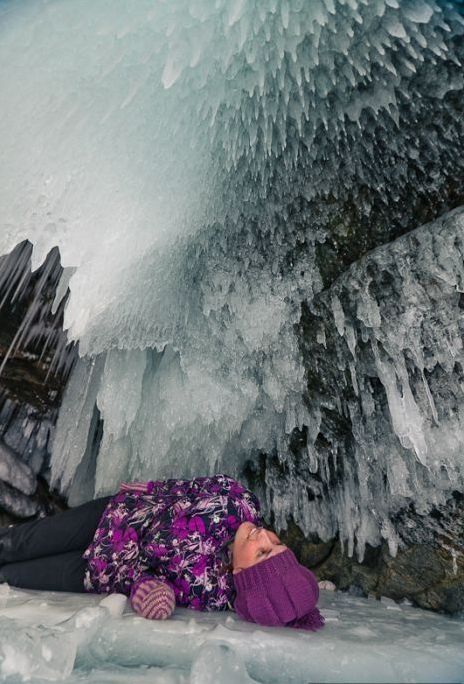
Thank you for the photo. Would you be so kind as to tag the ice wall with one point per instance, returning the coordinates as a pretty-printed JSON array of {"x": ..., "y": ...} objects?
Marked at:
[
  {"x": 384, "y": 348},
  {"x": 188, "y": 160}
]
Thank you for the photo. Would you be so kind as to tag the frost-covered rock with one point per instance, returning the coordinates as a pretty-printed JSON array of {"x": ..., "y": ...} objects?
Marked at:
[
  {"x": 427, "y": 570},
  {"x": 384, "y": 354},
  {"x": 34, "y": 360},
  {"x": 15, "y": 472}
]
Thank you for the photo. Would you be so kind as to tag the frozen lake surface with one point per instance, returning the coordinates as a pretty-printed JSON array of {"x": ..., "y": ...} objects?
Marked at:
[{"x": 82, "y": 638}]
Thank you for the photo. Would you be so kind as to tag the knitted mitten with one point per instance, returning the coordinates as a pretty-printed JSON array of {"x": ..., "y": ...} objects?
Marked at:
[{"x": 153, "y": 599}]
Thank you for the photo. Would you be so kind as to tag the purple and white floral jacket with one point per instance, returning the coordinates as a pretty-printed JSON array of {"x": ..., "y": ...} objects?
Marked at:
[{"x": 175, "y": 530}]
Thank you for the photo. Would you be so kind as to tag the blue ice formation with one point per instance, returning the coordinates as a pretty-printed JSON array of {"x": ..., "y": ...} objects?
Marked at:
[{"x": 191, "y": 161}]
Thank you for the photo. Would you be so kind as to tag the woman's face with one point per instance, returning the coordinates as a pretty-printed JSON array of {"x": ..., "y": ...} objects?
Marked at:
[{"x": 253, "y": 545}]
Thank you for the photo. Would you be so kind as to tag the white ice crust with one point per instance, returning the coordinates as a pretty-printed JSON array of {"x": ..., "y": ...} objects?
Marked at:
[{"x": 74, "y": 638}]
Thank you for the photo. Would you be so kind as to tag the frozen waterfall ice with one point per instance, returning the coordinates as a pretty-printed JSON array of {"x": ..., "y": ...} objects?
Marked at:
[{"x": 189, "y": 160}]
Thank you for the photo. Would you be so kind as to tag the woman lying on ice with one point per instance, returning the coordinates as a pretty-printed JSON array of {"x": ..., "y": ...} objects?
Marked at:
[{"x": 195, "y": 543}]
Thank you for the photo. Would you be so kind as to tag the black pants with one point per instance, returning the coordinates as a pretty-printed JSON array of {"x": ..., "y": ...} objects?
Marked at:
[{"x": 47, "y": 553}]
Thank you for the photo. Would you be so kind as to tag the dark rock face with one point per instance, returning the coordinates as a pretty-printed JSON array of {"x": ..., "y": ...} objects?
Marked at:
[
  {"x": 428, "y": 570},
  {"x": 383, "y": 357},
  {"x": 35, "y": 361}
]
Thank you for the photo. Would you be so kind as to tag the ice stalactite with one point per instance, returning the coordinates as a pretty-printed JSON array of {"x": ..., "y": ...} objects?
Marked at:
[
  {"x": 385, "y": 356},
  {"x": 38, "y": 296},
  {"x": 206, "y": 170}
]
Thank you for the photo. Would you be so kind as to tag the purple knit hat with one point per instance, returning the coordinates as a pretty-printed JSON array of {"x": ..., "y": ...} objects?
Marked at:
[{"x": 278, "y": 592}]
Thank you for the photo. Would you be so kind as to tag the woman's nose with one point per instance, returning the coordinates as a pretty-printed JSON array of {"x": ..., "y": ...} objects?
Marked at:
[{"x": 265, "y": 536}]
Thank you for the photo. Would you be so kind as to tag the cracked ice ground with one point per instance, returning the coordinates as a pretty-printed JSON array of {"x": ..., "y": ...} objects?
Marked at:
[{"x": 75, "y": 638}]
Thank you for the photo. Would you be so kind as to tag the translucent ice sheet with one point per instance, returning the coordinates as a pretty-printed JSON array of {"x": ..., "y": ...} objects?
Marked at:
[{"x": 73, "y": 638}]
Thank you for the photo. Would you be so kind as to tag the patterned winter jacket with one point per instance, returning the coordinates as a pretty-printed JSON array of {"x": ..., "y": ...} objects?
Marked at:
[{"x": 174, "y": 530}]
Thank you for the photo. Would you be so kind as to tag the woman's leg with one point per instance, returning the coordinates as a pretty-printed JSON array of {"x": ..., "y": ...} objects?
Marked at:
[
  {"x": 71, "y": 530},
  {"x": 55, "y": 573}
]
